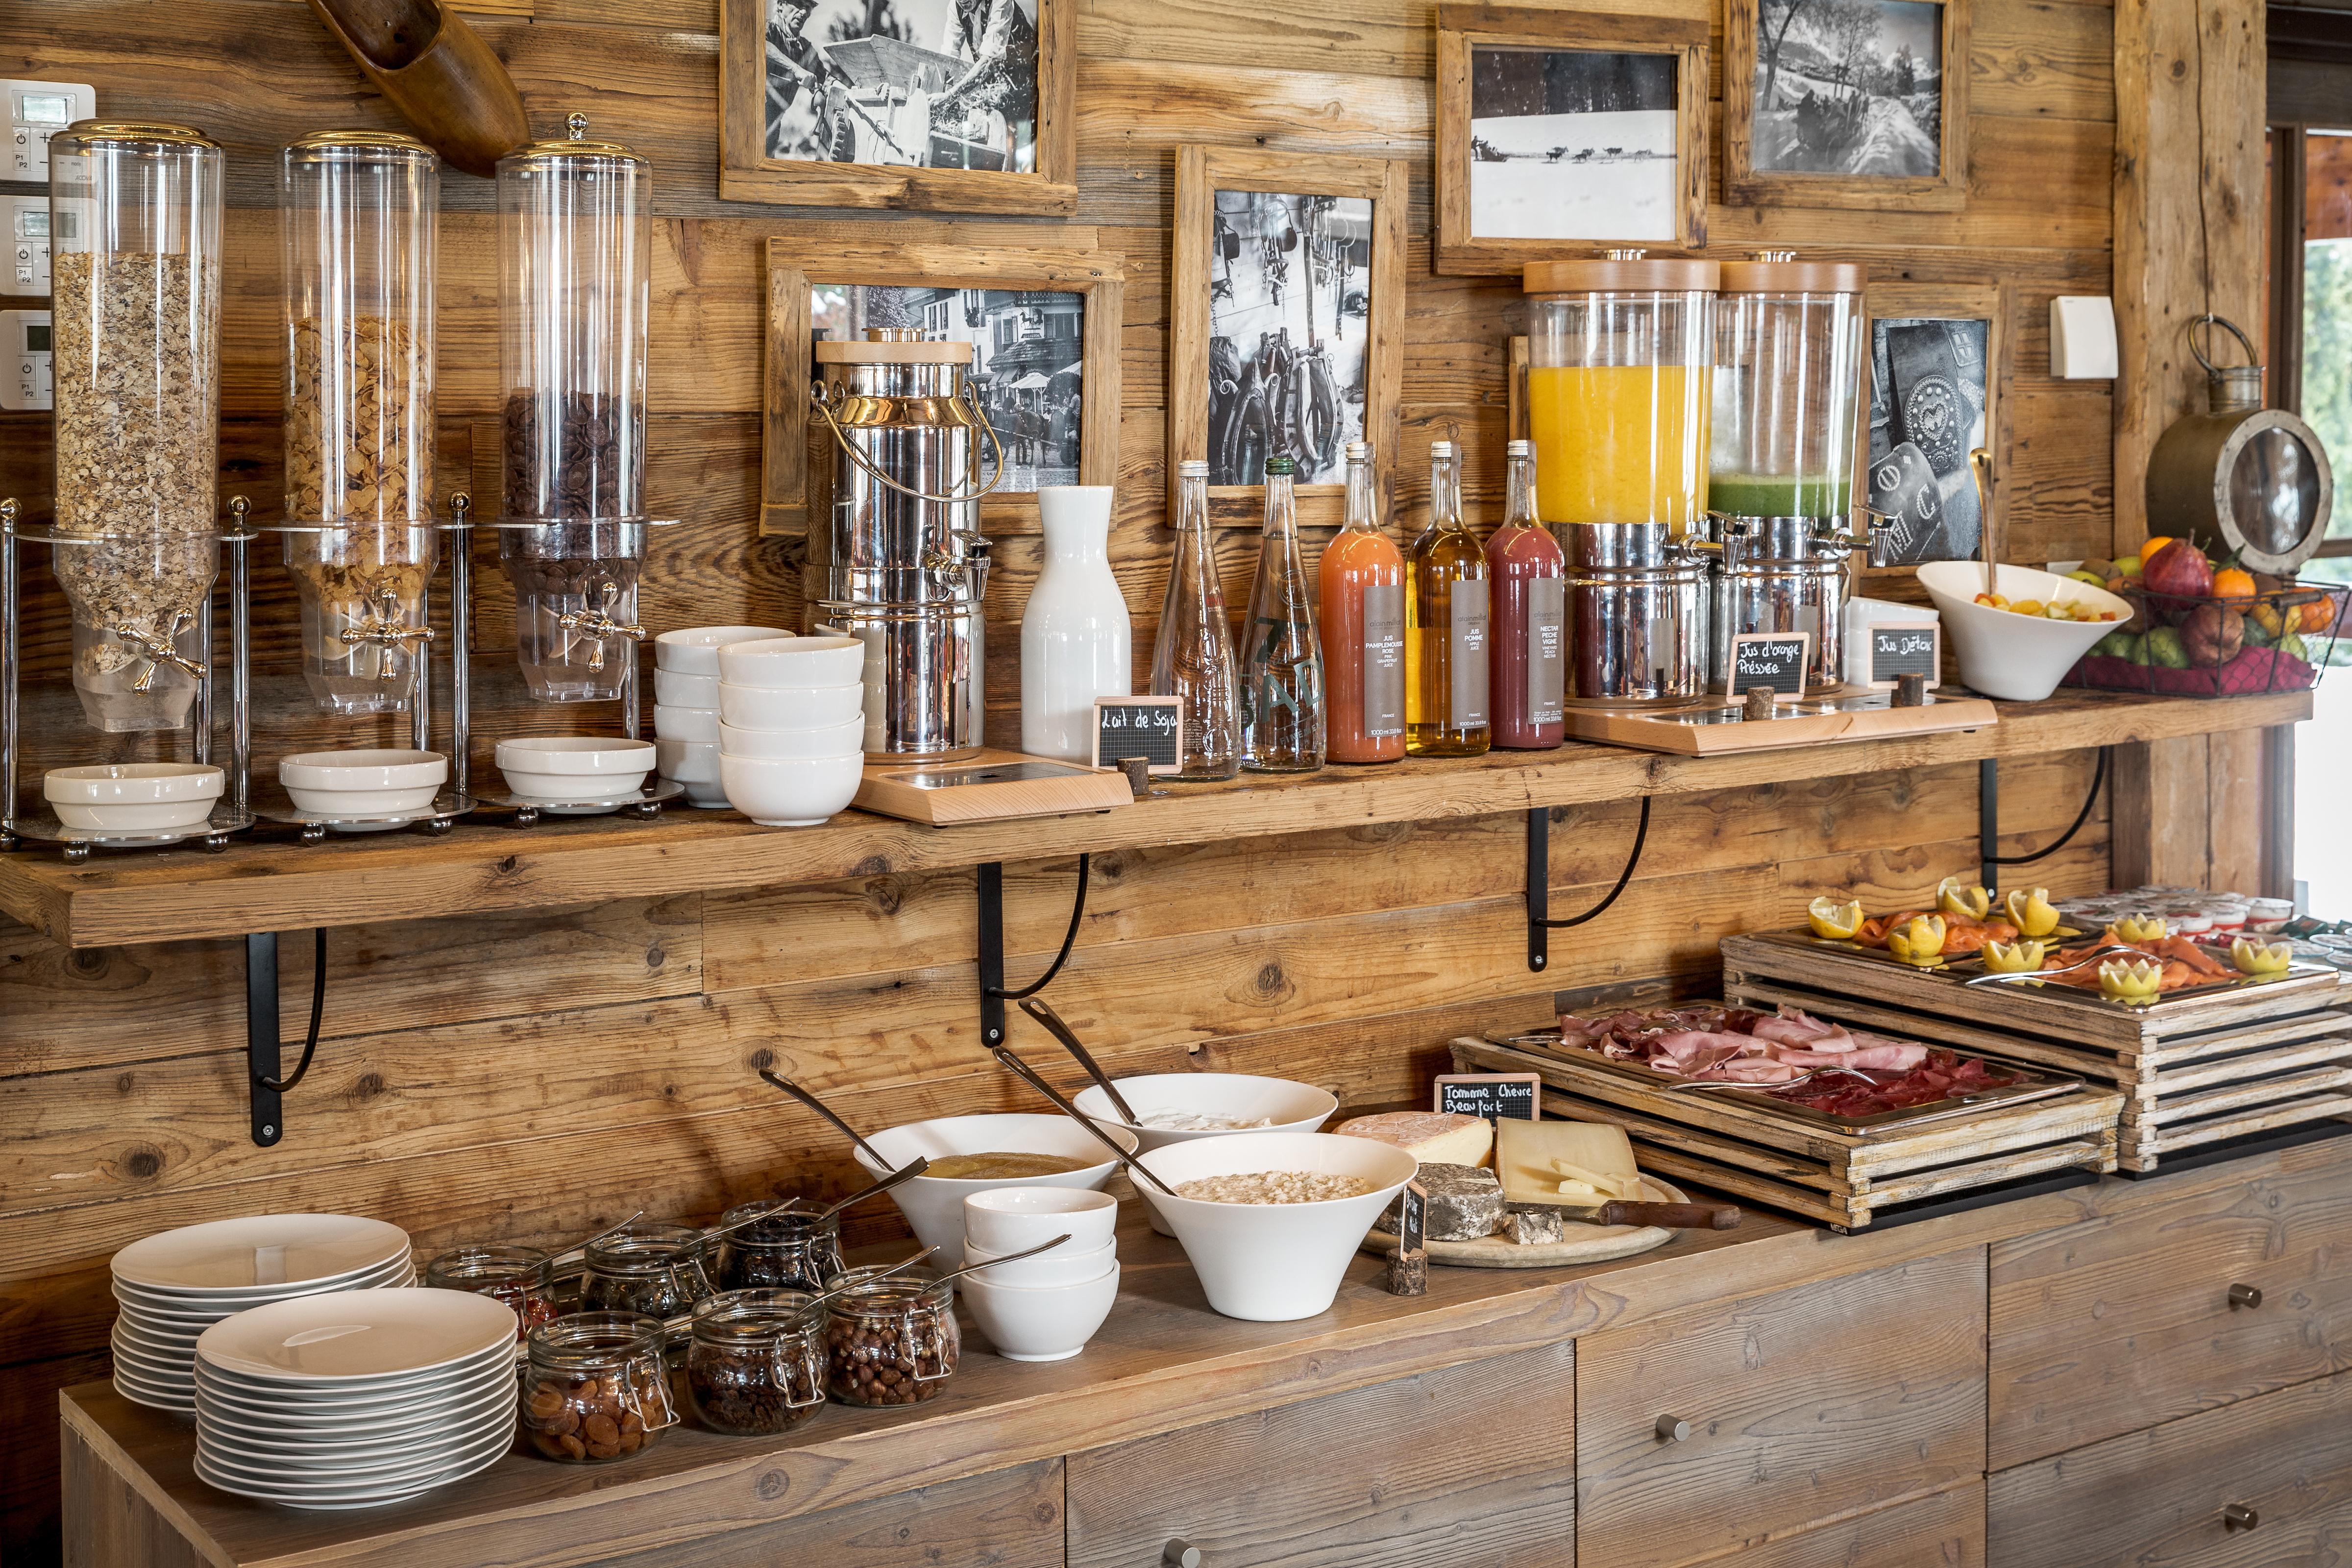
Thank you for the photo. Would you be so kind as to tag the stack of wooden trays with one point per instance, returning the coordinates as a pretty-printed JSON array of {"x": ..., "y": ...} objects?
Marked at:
[{"x": 2238, "y": 1057}]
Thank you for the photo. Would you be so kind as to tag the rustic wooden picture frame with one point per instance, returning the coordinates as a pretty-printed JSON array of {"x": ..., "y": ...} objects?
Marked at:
[
  {"x": 1900, "y": 300},
  {"x": 1745, "y": 186},
  {"x": 1201, "y": 173},
  {"x": 787, "y": 360},
  {"x": 747, "y": 173},
  {"x": 1465, "y": 24}
]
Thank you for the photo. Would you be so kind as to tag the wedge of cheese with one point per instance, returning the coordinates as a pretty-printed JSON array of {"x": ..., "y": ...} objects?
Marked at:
[
  {"x": 1526, "y": 1154},
  {"x": 1432, "y": 1137}
]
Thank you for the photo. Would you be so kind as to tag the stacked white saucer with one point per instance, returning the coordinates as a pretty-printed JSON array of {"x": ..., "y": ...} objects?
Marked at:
[
  {"x": 356, "y": 1397},
  {"x": 686, "y": 704},
  {"x": 174, "y": 1285},
  {"x": 791, "y": 728}
]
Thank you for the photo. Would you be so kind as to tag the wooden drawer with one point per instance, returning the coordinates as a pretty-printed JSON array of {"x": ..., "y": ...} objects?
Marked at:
[
  {"x": 1468, "y": 1467},
  {"x": 2112, "y": 1325},
  {"x": 1946, "y": 1531},
  {"x": 2157, "y": 1496},
  {"x": 1805, "y": 1406}
]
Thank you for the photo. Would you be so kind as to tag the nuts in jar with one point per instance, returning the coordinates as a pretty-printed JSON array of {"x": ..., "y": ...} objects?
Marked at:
[
  {"x": 890, "y": 1340},
  {"x": 756, "y": 1364},
  {"x": 595, "y": 1388},
  {"x": 653, "y": 1269},
  {"x": 771, "y": 1247},
  {"x": 521, "y": 1277}
]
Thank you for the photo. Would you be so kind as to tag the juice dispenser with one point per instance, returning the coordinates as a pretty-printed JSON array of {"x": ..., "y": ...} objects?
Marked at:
[
  {"x": 1620, "y": 356},
  {"x": 1790, "y": 339}
]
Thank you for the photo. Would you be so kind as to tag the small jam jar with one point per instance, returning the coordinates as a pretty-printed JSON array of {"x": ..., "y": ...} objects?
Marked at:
[
  {"x": 890, "y": 1340},
  {"x": 521, "y": 1277},
  {"x": 756, "y": 1364},
  {"x": 595, "y": 1388},
  {"x": 655, "y": 1270},
  {"x": 766, "y": 1247}
]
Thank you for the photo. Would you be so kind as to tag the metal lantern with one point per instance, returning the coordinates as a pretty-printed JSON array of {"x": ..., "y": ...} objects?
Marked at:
[{"x": 2241, "y": 479}]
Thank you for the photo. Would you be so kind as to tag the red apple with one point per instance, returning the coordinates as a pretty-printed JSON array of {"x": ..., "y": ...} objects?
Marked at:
[{"x": 2178, "y": 571}]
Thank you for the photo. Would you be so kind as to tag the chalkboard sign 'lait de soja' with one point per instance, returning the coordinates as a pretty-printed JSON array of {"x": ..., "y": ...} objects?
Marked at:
[
  {"x": 1492, "y": 1095},
  {"x": 1774, "y": 660},
  {"x": 1898, "y": 648},
  {"x": 1149, "y": 727}
]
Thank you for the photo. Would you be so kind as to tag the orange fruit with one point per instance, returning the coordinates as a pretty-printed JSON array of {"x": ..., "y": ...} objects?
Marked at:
[
  {"x": 2234, "y": 586},
  {"x": 2152, "y": 543},
  {"x": 2315, "y": 616}
]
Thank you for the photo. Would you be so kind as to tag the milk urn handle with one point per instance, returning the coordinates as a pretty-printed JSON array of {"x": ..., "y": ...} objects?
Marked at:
[{"x": 967, "y": 395}]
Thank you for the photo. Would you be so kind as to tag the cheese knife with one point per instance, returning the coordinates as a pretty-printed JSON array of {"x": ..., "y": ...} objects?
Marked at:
[{"x": 1624, "y": 1211}]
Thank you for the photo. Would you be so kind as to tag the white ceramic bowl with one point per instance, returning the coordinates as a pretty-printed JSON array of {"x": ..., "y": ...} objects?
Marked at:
[
  {"x": 1274, "y": 1262},
  {"x": 1051, "y": 1324},
  {"x": 2021, "y": 659},
  {"x": 672, "y": 689},
  {"x": 132, "y": 797},
  {"x": 363, "y": 783},
  {"x": 574, "y": 767},
  {"x": 934, "y": 1205},
  {"x": 1293, "y": 1107},
  {"x": 697, "y": 724},
  {"x": 792, "y": 663},
  {"x": 784, "y": 745},
  {"x": 1065, "y": 1265},
  {"x": 694, "y": 650},
  {"x": 687, "y": 761},
  {"x": 1008, "y": 1219},
  {"x": 777, "y": 793},
  {"x": 807, "y": 708}
]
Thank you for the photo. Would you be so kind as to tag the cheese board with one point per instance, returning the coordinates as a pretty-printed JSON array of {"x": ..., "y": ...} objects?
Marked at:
[{"x": 1596, "y": 1244}]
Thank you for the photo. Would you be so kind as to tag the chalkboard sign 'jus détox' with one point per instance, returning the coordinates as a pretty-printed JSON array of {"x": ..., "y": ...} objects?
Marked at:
[
  {"x": 1774, "y": 660},
  {"x": 1898, "y": 648},
  {"x": 1150, "y": 727},
  {"x": 1492, "y": 1095}
]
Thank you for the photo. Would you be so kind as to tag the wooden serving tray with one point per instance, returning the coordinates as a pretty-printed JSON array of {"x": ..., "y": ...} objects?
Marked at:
[
  {"x": 1599, "y": 1243},
  {"x": 1716, "y": 728}
]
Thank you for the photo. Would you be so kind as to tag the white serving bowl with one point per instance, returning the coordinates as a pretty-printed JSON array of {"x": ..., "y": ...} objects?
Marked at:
[
  {"x": 1049, "y": 1324},
  {"x": 1009, "y": 1219},
  {"x": 2021, "y": 659},
  {"x": 804, "y": 708},
  {"x": 672, "y": 689},
  {"x": 780, "y": 793},
  {"x": 934, "y": 1205},
  {"x": 574, "y": 767},
  {"x": 363, "y": 783},
  {"x": 132, "y": 797},
  {"x": 786, "y": 745},
  {"x": 687, "y": 761},
  {"x": 680, "y": 723},
  {"x": 1065, "y": 1265},
  {"x": 694, "y": 650},
  {"x": 793, "y": 663},
  {"x": 1293, "y": 1107},
  {"x": 1274, "y": 1262}
]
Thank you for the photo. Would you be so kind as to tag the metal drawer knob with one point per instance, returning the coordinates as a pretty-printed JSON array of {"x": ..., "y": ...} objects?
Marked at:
[
  {"x": 1180, "y": 1554},
  {"x": 1673, "y": 1429},
  {"x": 2237, "y": 1516},
  {"x": 2246, "y": 1296}
]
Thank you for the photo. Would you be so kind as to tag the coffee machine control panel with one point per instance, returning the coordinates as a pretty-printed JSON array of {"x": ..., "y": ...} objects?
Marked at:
[{"x": 26, "y": 380}]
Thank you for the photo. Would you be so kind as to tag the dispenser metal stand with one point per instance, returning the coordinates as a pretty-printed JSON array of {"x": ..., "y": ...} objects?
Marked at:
[{"x": 234, "y": 812}]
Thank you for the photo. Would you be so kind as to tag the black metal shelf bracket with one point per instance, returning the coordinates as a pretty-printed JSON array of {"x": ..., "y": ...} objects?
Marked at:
[
  {"x": 993, "y": 993},
  {"x": 1990, "y": 860},
  {"x": 1540, "y": 926},
  {"x": 266, "y": 1091}
]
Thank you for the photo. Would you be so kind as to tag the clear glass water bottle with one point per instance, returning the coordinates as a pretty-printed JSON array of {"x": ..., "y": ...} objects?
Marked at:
[
  {"x": 1193, "y": 654},
  {"x": 1282, "y": 659}
]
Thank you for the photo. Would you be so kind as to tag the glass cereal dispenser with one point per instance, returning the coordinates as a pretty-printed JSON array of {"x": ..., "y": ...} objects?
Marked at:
[
  {"x": 359, "y": 214},
  {"x": 575, "y": 256}
]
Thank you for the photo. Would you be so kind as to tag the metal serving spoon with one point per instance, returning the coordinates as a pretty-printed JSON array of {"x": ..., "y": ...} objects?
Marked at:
[
  {"x": 777, "y": 1081},
  {"x": 1038, "y": 1008},
  {"x": 1027, "y": 1075}
]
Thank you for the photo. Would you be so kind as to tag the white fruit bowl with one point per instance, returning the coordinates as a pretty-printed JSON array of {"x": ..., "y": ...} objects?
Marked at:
[
  {"x": 2020, "y": 658},
  {"x": 793, "y": 663},
  {"x": 380, "y": 782},
  {"x": 802, "y": 708},
  {"x": 132, "y": 797},
  {"x": 934, "y": 1205},
  {"x": 1050, "y": 1323},
  {"x": 798, "y": 793},
  {"x": 574, "y": 767},
  {"x": 694, "y": 650},
  {"x": 1011, "y": 1220},
  {"x": 788, "y": 745}
]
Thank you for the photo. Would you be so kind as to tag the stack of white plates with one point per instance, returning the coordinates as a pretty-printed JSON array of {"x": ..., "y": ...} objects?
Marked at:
[
  {"x": 356, "y": 1397},
  {"x": 174, "y": 1286}
]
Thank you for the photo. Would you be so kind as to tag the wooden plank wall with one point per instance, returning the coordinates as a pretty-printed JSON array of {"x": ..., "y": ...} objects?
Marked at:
[{"x": 528, "y": 1077}]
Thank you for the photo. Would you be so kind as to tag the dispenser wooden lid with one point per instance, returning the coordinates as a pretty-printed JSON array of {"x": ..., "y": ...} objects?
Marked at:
[
  {"x": 1623, "y": 272},
  {"x": 1780, "y": 272},
  {"x": 834, "y": 350}
]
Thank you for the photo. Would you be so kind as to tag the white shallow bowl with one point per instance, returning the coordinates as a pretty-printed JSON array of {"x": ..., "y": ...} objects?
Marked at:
[
  {"x": 802, "y": 708},
  {"x": 934, "y": 1205},
  {"x": 2020, "y": 658},
  {"x": 132, "y": 797},
  {"x": 1293, "y": 1106},
  {"x": 842, "y": 740},
  {"x": 674, "y": 689},
  {"x": 775, "y": 792},
  {"x": 687, "y": 761},
  {"x": 1008, "y": 1219},
  {"x": 694, "y": 650},
  {"x": 791, "y": 663},
  {"x": 1050, "y": 1324},
  {"x": 700, "y": 725},
  {"x": 574, "y": 767},
  {"x": 1274, "y": 1262},
  {"x": 366, "y": 783},
  {"x": 1062, "y": 1266},
  {"x": 258, "y": 1254}
]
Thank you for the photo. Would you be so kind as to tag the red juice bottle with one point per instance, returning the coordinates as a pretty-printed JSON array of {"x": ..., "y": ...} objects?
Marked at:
[
  {"x": 1362, "y": 621},
  {"x": 1528, "y": 649}
]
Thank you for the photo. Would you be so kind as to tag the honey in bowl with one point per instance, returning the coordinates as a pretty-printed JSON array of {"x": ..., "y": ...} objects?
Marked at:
[{"x": 998, "y": 1165}]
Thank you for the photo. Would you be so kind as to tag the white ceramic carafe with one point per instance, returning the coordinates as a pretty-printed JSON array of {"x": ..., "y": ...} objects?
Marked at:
[{"x": 1073, "y": 631}]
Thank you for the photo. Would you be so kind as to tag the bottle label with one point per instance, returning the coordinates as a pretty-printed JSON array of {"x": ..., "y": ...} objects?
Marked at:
[
  {"x": 1468, "y": 655},
  {"x": 1547, "y": 648},
  {"x": 1384, "y": 660}
]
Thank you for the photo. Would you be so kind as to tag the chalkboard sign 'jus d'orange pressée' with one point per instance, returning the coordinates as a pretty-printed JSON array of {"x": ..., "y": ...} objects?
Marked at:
[{"x": 1774, "y": 660}]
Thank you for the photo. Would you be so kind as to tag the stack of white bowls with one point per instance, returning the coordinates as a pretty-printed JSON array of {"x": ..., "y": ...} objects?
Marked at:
[
  {"x": 791, "y": 728},
  {"x": 355, "y": 1398},
  {"x": 175, "y": 1285},
  {"x": 1047, "y": 1307},
  {"x": 686, "y": 705}
]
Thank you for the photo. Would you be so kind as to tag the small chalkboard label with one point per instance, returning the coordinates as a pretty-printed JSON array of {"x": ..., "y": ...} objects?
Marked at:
[
  {"x": 1772, "y": 660},
  {"x": 1492, "y": 1095},
  {"x": 1898, "y": 648},
  {"x": 1149, "y": 727}
]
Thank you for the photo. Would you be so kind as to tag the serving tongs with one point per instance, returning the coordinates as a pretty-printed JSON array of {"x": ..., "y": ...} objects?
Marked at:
[
  {"x": 1037, "y": 1007},
  {"x": 1028, "y": 1075},
  {"x": 2105, "y": 950}
]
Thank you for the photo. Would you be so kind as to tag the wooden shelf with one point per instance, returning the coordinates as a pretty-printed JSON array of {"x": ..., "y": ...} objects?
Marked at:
[{"x": 277, "y": 884}]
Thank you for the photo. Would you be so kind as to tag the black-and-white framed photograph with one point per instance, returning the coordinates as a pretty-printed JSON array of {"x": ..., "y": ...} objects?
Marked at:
[
  {"x": 1290, "y": 333},
  {"x": 1931, "y": 388}
]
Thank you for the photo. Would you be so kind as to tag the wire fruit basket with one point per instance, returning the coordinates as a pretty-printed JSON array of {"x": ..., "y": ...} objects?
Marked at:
[{"x": 2277, "y": 639}]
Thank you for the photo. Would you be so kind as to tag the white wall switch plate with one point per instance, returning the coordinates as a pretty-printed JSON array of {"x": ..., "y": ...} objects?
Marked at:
[
  {"x": 25, "y": 364},
  {"x": 2083, "y": 337}
]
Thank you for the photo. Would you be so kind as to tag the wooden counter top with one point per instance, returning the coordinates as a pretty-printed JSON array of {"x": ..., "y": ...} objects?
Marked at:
[{"x": 278, "y": 885}]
